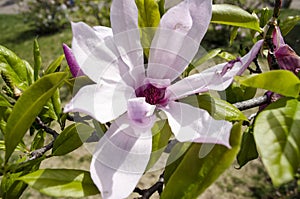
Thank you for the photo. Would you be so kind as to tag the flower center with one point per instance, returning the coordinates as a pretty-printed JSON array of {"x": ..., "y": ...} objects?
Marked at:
[{"x": 152, "y": 94}]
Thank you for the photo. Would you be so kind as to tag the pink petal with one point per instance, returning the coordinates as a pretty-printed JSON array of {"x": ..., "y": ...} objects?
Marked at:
[
  {"x": 288, "y": 59},
  {"x": 98, "y": 58},
  {"x": 124, "y": 22},
  {"x": 120, "y": 158},
  {"x": 278, "y": 40},
  {"x": 190, "y": 124},
  {"x": 104, "y": 102},
  {"x": 178, "y": 38},
  {"x": 71, "y": 60},
  {"x": 216, "y": 78},
  {"x": 140, "y": 111}
]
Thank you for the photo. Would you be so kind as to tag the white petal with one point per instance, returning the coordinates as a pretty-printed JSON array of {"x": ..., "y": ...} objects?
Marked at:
[
  {"x": 212, "y": 78},
  {"x": 98, "y": 58},
  {"x": 120, "y": 158},
  {"x": 104, "y": 102},
  {"x": 178, "y": 37},
  {"x": 196, "y": 125},
  {"x": 124, "y": 22},
  {"x": 102, "y": 32}
]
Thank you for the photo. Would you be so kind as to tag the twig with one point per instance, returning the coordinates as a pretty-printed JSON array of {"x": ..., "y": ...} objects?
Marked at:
[
  {"x": 147, "y": 193},
  {"x": 248, "y": 104},
  {"x": 47, "y": 129},
  {"x": 40, "y": 152}
]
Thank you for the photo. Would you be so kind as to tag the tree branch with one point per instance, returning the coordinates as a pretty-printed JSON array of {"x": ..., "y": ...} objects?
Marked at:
[
  {"x": 251, "y": 103},
  {"x": 40, "y": 152},
  {"x": 47, "y": 129},
  {"x": 147, "y": 193}
]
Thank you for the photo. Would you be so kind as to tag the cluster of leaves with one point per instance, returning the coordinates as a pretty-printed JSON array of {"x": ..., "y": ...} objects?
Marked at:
[{"x": 30, "y": 101}]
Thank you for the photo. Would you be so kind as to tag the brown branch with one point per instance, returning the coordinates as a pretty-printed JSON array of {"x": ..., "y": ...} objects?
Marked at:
[
  {"x": 147, "y": 193},
  {"x": 47, "y": 129}
]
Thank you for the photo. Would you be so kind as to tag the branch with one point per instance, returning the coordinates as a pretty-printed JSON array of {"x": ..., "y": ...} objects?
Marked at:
[
  {"x": 251, "y": 103},
  {"x": 40, "y": 152},
  {"x": 47, "y": 129},
  {"x": 147, "y": 193}
]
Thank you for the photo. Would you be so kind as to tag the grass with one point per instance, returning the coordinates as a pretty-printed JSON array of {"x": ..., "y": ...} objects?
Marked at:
[{"x": 19, "y": 37}]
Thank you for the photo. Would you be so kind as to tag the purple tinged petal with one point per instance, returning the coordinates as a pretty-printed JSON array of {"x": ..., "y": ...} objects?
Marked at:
[
  {"x": 71, "y": 60},
  {"x": 216, "y": 78},
  {"x": 104, "y": 102},
  {"x": 120, "y": 158},
  {"x": 285, "y": 55},
  {"x": 191, "y": 124},
  {"x": 178, "y": 38},
  {"x": 140, "y": 111},
  {"x": 288, "y": 59},
  {"x": 277, "y": 38}
]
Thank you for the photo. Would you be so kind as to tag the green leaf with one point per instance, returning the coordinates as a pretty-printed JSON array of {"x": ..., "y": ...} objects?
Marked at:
[
  {"x": 2, "y": 146},
  {"x": 237, "y": 93},
  {"x": 161, "y": 132},
  {"x": 4, "y": 101},
  {"x": 217, "y": 108},
  {"x": 52, "y": 110},
  {"x": 288, "y": 24},
  {"x": 234, "y": 16},
  {"x": 61, "y": 182},
  {"x": 27, "y": 107},
  {"x": 38, "y": 141},
  {"x": 56, "y": 103},
  {"x": 11, "y": 187},
  {"x": 282, "y": 82},
  {"x": 54, "y": 65},
  {"x": 4, "y": 114},
  {"x": 175, "y": 158},
  {"x": 248, "y": 150},
  {"x": 266, "y": 15},
  {"x": 211, "y": 54},
  {"x": 71, "y": 138},
  {"x": 233, "y": 34},
  {"x": 193, "y": 174},
  {"x": 276, "y": 133},
  {"x": 227, "y": 56},
  {"x": 18, "y": 70},
  {"x": 37, "y": 59},
  {"x": 148, "y": 20}
]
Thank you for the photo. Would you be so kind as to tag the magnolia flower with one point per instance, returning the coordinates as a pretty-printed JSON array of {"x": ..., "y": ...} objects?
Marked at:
[
  {"x": 133, "y": 96},
  {"x": 286, "y": 57}
]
